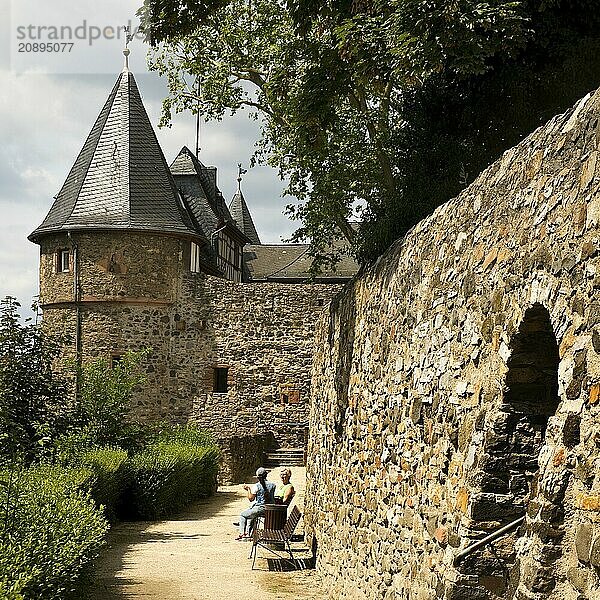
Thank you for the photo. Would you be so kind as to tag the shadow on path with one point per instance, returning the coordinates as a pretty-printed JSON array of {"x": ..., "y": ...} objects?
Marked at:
[
  {"x": 126, "y": 541},
  {"x": 194, "y": 556},
  {"x": 207, "y": 508}
]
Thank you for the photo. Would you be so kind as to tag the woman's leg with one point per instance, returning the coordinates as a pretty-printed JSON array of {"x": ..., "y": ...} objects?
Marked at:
[
  {"x": 242, "y": 526},
  {"x": 248, "y": 516}
]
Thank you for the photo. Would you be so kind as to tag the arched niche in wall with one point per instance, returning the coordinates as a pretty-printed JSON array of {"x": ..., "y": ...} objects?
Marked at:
[
  {"x": 530, "y": 399},
  {"x": 513, "y": 440}
]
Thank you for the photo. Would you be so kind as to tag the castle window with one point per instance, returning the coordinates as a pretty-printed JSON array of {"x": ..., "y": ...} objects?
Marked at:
[
  {"x": 195, "y": 258},
  {"x": 220, "y": 380},
  {"x": 289, "y": 394},
  {"x": 63, "y": 261},
  {"x": 115, "y": 359}
]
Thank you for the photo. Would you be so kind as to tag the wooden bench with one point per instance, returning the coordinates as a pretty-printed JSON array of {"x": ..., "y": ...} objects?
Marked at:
[
  {"x": 263, "y": 537},
  {"x": 275, "y": 516}
]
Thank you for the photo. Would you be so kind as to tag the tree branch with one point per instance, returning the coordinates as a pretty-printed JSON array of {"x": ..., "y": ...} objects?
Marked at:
[
  {"x": 345, "y": 228},
  {"x": 358, "y": 101}
]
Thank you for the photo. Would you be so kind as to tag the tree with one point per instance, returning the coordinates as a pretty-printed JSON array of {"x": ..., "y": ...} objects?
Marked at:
[
  {"x": 101, "y": 412},
  {"x": 33, "y": 393},
  {"x": 344, "y": 89},
  {"x": 38, "y": 407}
]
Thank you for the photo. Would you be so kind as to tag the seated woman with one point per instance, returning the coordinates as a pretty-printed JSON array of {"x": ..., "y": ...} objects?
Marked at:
[
  {"x": 284, "y": 492},
  {"x": 259, "y": 494}
]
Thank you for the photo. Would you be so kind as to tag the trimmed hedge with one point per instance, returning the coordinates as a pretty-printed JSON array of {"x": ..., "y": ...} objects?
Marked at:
[
  {"x": 189, "y": 435},
  {"x": 50, "y": 532},
  {"x": 167, "y": 476},
  {"x": 178, "y": 465},
  {"x": 108, "y": 477}
]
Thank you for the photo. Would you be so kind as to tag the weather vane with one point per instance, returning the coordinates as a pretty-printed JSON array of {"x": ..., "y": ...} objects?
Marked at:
[
  {"x": 240, "y": 173},
  {"x": 127, "y": 51}
]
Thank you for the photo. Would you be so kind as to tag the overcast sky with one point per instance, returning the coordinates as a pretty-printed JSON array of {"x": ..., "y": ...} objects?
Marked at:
[{"x": 48, "y": 104}]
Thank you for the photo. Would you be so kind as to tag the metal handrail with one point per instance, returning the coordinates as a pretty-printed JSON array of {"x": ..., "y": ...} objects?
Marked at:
[{"x": 487, "y": 539}]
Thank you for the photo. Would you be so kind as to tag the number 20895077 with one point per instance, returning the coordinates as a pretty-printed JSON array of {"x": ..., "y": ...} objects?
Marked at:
[{"x": 58, "y": 47}]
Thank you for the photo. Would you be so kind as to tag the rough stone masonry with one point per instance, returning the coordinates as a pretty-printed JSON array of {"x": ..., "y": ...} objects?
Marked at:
[
  {"x": 135, "y": 293},
  {"x": 456, "y": 388}
]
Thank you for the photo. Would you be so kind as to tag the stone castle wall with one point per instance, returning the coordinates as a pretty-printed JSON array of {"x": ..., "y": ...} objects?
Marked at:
[
  {"x": 263, "y": 333},
  {"x": 456, "y": 388},
  {"x": 135, "y": 293},
  {"x": 128, "y": 285}
]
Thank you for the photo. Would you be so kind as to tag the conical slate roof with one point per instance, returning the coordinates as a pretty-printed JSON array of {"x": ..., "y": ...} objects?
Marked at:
[
  {"x": 120, "y": 179},
  {"x": 241, "y": 215}
]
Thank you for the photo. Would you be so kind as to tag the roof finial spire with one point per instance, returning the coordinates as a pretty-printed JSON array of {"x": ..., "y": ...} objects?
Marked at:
[
  {"x": 127, "y": 51},
  {"x": 240, "y": 173},
  {"x": 198, "y": 122}
]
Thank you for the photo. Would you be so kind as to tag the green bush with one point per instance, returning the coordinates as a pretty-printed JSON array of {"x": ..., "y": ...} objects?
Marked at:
[
  {"x": 103, "y": 402},
  {"x": 33, "y": 390},
  {"x": 167, "y": 476},
  {"x": 108, "y": 477},
  {"x": 50, "y": 532},
  {"x": 189, "y": 434}
]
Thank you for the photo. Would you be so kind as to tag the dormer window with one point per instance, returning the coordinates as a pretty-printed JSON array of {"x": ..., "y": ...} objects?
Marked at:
[
  {"x": 195, "y": 258},
  {"x": 63, "y": 261}
]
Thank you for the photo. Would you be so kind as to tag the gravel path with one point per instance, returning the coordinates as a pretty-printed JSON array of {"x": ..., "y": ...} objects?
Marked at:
[{"x": 195, "y": 557}]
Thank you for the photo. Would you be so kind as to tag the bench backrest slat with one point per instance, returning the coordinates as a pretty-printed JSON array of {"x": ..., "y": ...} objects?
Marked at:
[{"x": 291, "y": 522}]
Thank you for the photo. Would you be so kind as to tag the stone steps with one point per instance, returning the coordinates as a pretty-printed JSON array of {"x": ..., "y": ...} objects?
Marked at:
[{"x": 289, "y": 457}]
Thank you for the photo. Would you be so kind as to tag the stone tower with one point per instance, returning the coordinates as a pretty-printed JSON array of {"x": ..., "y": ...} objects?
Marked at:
[{"x": 114, "y": 241}]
